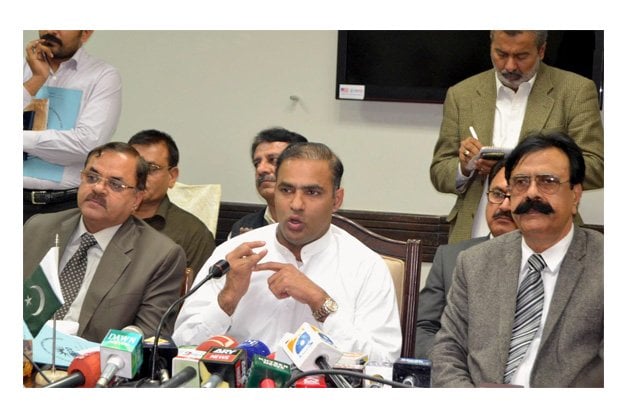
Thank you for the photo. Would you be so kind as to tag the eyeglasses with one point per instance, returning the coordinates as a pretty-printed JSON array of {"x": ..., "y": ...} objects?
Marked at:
[
  {"x": 115, "y": 185},
  {"x": 497, "y": 197},
  {"x": 546, "y": 183},
  {"x": 153, "y": 168}
]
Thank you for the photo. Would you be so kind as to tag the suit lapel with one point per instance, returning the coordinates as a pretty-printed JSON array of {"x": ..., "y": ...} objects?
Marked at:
[
  {"x": 483, "y": 107},
  {"x": 539, "y": 103},
  {"x": 507, "y": 281},
  {"x": 114, "y": 261},
  {"x": 570, "y": 272}
]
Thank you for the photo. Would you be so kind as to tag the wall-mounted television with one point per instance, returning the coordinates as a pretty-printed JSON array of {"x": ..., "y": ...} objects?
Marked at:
[{"x": 419, "y": 65}]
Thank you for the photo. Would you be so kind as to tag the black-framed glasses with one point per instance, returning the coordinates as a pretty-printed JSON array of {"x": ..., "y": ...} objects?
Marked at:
[
  {"x": 115, "y": 185},
  {"x": 153, "y": 168},
  {"x": 496, "y": 196},
  {"x": 546, "y": 183}
]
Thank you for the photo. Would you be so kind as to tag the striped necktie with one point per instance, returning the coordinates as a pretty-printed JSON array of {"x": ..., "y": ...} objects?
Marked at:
[
  {"x": 529, "y": 310},
  {"x": 74, "y": 272}
]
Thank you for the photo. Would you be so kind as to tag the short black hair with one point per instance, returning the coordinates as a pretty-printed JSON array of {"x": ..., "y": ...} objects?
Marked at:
[
  {"x": 141, "y": 172},
  {"x": 542, "y": 141},
  {"x": 147, "y": 137},
  {"x": 314, "y": 151},
  {"x": 276, "y": 134}
]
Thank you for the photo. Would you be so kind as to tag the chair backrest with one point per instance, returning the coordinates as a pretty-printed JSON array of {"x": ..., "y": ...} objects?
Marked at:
[
  {"x": 403, "y": 259},
  {"x": 200, "y": 199}
]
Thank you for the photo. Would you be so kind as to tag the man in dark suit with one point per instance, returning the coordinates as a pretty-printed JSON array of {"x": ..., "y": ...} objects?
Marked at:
[
  {"x": 133, "y": 273},
  {"x": 432, "y": 296},
  {"x": 520, "y": 95},
  {"x": 526, "y": 308},
  {"x": 266, "y": 147}
]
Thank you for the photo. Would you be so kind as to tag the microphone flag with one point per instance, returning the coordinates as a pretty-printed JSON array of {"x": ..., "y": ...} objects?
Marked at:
[
  {"x": 128, "y": 346},
  {"x": 42, "y": 292},
  {"x": 309, "y": 343}
]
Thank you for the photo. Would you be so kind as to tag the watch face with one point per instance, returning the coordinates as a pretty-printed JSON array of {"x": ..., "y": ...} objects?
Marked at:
[{"x": 331, "y": 305}]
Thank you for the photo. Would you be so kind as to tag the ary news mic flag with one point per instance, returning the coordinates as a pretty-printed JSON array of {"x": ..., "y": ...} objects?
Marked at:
[{"x": 42, "y": 292}]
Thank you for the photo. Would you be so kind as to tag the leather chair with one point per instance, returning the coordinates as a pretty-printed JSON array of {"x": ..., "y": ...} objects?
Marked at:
[{"x": 403, "y": 259}]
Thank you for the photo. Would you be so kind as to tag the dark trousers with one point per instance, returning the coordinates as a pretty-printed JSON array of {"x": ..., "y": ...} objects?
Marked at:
[{"x": 30, "y": 209}]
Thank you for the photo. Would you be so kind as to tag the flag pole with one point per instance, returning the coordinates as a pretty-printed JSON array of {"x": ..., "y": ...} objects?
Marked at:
[
  {"x": 56, "y": 244},
  {"x": 52, "y": 374}
]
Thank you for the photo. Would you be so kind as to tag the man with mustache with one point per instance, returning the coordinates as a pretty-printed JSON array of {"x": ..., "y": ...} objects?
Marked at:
[
  {"x": 526, "y": 308},
  {"x": 266, "y": 147},
  {"x": 432, "y": 296},
  {"x": 133, "y": 272},
  {"x": 520, "y": 95},
  {"x": 301, "y": 269},
  {"x": 84, "y": 104},
  {"x": 160, "y": 151}
]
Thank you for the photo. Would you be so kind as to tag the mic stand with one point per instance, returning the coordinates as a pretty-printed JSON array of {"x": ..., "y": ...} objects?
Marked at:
[{"x": 216, "y": 271}]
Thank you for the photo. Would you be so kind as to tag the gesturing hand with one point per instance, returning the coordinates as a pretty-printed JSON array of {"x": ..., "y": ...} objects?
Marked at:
[
  {"x": 288, "y": 281},
  {"x": 242, "y": 262}
]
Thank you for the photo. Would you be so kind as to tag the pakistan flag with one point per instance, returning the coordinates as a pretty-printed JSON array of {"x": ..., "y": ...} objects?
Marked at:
[{"x": 42, "y": 292}]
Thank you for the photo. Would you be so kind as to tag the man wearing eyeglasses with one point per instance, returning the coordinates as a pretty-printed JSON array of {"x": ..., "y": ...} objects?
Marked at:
[
  {"x": 161, "y": 153},
  {"x": 130, "y": 272},
  {"x": 526, "y": 308},
  {"x": 432, "y": 296}
]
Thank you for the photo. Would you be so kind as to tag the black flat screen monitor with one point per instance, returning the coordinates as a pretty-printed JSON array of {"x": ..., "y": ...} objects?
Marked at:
[{"x": 419, "y": 65}]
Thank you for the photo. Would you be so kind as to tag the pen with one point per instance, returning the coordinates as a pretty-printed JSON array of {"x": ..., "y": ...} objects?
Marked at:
[{"x": 473, "y": 133}]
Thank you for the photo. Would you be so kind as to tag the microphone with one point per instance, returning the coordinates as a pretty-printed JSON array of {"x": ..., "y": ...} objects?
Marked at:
[
  {"x": 416, "y": 373},
  {"x": 217, "y": 341},
  {"x": 121, "y": 354},
  {"x": 218, "y": 270},
  {"x": 252, "y": 348},
  {"x": 190, "y": 358},
  {"x": 225, "y": 365},
  {"x": 380, "y": 370},
  {"x": 84, "y": 372},
  {"x": 167, "y": 350},
  {"x": 180, "y": 378},
  {"x": 267, "y": 373},
  {"x": 309, "y": 348}
]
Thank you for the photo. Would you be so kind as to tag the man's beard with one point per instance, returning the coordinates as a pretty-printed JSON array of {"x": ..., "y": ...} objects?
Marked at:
[{"x": 515, "y": 79}]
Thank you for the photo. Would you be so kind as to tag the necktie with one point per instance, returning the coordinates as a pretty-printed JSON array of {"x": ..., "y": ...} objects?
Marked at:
[
  {"x": 72, "y": 275},
  {"x": 529, "y": 310}
]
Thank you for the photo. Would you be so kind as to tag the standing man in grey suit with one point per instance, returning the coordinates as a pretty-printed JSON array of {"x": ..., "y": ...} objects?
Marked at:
[
  {"x": 133, "y": 272},
  {"x": 432, "y": 297},
  {"x": 521, "y": 95},
  {"x": 526, "y": 308}
]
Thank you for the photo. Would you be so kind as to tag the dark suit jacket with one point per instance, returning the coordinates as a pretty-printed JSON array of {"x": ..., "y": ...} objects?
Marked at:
[
  {"x": 137, "y": 279},
  {"x": 472, "y": 345},
  {"x": 559, "y": 101},
  {"x": 432, "y": 298},
  {"x": 249, "y": 221}
]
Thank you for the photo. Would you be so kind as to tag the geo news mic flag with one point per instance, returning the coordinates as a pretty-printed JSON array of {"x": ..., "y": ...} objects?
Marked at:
[{"x": 42, "y": 292}]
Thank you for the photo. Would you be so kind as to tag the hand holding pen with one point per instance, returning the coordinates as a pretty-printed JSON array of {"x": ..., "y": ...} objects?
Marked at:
[{"x": 468, "y": 151}]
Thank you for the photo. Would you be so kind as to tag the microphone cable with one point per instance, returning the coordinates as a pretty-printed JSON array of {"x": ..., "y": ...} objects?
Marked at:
[{"x": 342, "y": 372}]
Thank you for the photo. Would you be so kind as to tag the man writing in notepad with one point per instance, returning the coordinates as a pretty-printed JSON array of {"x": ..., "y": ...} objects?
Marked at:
[{"x": 519, "y": 95}]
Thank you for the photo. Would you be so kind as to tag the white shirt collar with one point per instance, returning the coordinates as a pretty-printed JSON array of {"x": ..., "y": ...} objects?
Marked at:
[{"x": 553, "y": 256}]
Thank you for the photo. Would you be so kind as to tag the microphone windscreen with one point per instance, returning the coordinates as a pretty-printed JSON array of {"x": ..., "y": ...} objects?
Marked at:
[
  {"x": 218, "y": 341},
  {"x": 89, "y": 365}
]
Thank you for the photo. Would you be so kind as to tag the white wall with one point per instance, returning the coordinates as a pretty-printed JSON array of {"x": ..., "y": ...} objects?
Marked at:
[{"x": 213, "y": 90}]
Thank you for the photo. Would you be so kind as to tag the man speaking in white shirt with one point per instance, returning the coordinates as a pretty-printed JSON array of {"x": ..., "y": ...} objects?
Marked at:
[{"x": 302, "y": 269}]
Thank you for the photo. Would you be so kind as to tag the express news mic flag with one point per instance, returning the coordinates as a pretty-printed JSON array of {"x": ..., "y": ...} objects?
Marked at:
[{"x": 42, "y": 292}]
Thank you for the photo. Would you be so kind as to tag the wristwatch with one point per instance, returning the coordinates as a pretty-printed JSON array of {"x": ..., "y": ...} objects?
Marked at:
[{"x": 328, "y": 307}]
